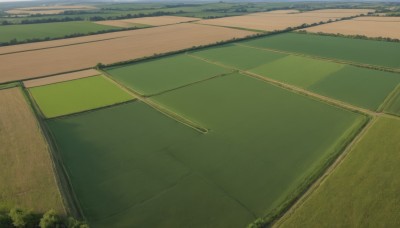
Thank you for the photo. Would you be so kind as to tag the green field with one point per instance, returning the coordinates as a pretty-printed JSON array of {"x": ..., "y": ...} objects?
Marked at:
[
  {"x": 237, "y": 56},
  {"x": 299, "y": 71},
  {"x": 190, "y": 179},
  {"x": 78, "y": 95},
  {"x": 50, "y": 30},
  {"x": 358, "y": 86},
  {"x": 155, "y": 76},
  {"x": 393, "y": 106},
  {"x": 363, "y": 191},
  {"x": 370, "y": 52}
]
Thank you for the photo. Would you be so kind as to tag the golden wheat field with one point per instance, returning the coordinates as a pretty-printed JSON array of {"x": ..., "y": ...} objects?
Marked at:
[
  {"x": 270, "y": 21},
  {"x": 388, "y": 27},
  {"x": 25, "y": 158}
]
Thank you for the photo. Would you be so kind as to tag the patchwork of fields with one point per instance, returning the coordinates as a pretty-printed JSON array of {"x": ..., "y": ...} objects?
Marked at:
[
  {"x": 215, "y": 137},
  {"x": 217, "y": 164},
  {"x": 135, "y": 44},
  {"x": 346, "y": 83}
]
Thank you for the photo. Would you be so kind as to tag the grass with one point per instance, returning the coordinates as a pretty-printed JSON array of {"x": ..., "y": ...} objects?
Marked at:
[
  {"x": 363, "y": 190},
  {"x": 26, "y": 177},
  {"x": 362, "y": 87},
  {"x": 238, "y": 56},
  {"x": 393, "y": 107},
  {"x": 77, "y": 95},
  {"x": 51, "y": 30},
  {"x": 370, "y": 52},
  {"x": 159, "y": 75},
  {"x": 189, "y": 179}
]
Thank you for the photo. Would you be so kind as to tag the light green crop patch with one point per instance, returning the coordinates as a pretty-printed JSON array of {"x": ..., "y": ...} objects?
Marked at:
[
  {"x": 296, "y": 70},
  {"x": 78, "y": 95}
]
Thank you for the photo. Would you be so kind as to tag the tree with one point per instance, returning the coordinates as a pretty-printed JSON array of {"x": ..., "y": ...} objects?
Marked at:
[
  {"x": 20, "y": 218},
  {"x": 49, "y": 220},
  {"x": 73, "y": 223},
  {"x": 99, "y": 66}
]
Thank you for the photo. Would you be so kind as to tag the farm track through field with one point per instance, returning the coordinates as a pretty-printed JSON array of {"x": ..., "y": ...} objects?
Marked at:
[
  {"x": 325, "y": 175},
  {"x": 157, "y": 107},
  {"x": 374, "y": 67}
]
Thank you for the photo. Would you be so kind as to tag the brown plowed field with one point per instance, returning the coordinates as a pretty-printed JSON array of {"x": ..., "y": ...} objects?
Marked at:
[
  {"x": 139, "y": 43},
  {"x": 270, "y": 21},
  {"x": 388, "y": 27},
  {"x": 61, "y": 78},
  {"x": 154, "y": 21},
  {"x": 25, "y": 162}
]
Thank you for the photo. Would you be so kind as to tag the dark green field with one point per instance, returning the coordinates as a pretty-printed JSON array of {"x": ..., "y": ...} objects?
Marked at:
[
  {"x": 371, "y": 52},
  {"x": 191, "y": 179},
  {"x": 156, "y": 76},
  {"x": 49, "y": 30}
]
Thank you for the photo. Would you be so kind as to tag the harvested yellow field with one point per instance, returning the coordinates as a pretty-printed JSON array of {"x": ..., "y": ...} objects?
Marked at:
[
  {"x": 139, "y": 43},
  {"x": 56, "y": 9},
  {"x": 388, "y": 27},
  {"x": 153, "y": 21},
  {"x": 61, "y": 78},
  {"x": 270, "y": 21},
  {"x": 25, "y": 162}
]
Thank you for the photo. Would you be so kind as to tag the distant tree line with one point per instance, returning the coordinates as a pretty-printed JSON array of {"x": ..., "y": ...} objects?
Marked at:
[
  {"x": 32, "y": 20},
  {"x": 20, "y": 218},
  {"x": 353, "y": 36}
]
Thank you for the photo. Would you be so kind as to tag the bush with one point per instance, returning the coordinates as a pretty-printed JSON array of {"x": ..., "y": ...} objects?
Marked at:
[
  {"x": 20, "y": 218},
  {"x": 73, "y": 223},
  {"x": 50, "y": 220}
]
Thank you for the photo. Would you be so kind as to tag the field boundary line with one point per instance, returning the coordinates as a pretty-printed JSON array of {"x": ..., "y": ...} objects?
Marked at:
[
  {"x": 297, "y": 90},
  {"x": 319, "y": 181},
  {"x": 368, "y": 66},
  {"x": 158, "y": 107},
  {"x": 69, "y": 200},
  {"x": 389, "y": 99},
  {"x": 46, "y": 76},
  {"x": 189, "y": 84},
  {"x": 232, "y": 27},
  {"x": 58, "y": 46}
]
